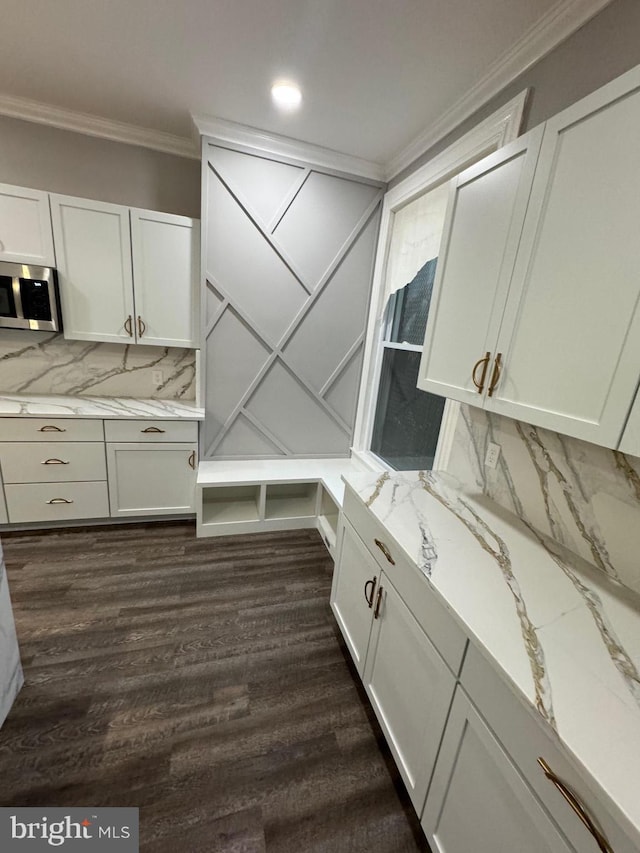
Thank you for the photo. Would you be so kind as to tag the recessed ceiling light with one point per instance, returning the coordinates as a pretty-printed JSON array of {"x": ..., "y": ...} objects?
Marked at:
[{"x": 286, "y": 95}]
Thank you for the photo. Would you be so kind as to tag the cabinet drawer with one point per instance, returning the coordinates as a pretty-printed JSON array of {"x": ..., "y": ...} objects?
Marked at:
[
  {"x": 51, "y": 462},
  {"x": 411, "y": 584},
  {"x": 151, "y": 430},
  {"x": 57, "y": 501},
  {"x": 526, "y": 737},
  {"x": 50, "y": 429}
]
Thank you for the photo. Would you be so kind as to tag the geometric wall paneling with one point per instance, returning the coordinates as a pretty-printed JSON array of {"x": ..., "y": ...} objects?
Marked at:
[
  {"x": 340, "y": 394},
  {"x": 287, "y": 409},
  {"x": 224, "y": 384},
  {"x": 244, "y": 263},
  {"x": 289, "y": 253},
  {"x": 244, "y": 440},
  {"x": 327, "y": 333},
  {"x": 325, "y": 205},
  {"x": 213, "y": 303},
  {"x": 259, "y": 182}
]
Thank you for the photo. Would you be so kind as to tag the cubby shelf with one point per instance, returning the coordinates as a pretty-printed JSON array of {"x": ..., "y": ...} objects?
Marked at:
[{"x": 250, "y": 497}]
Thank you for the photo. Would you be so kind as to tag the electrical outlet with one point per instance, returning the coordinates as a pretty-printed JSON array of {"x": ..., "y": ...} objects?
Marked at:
[
  {"x": 157, "y": 378},
  {"x": 493, "y": 454}
]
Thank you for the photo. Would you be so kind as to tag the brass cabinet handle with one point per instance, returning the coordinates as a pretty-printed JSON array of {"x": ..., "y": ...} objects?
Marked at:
[
  {"x": 385, "y": 551},
  {"x": 59, "y": 501},
  {"x": 485, "y": 362},
  {"x": 192, "y": 460},
  {"x": 141, "y": 326},
  {"x": 376, "y": 612},
  {"x": 152, "y": 429},
  {"x": 495, "y": 376},
  {"x": 577, "y": 807},
  {"x": 54, "y": 462},
  {"x": 51, "y": 428},
  {"x": 373, "y": 583},
  {"x": 127, "y": 326}
]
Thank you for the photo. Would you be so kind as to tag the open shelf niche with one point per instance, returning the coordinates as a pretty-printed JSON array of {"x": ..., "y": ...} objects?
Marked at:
[
  {"x": 230, "y": 504},
  {"x": 291, "y": 500},
  {"x": 328, "y": 515}
]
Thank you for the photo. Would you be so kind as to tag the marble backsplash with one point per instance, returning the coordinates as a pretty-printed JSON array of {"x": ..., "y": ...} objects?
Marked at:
[
  {"x": 584, "y": 496},
  {"x": 46, "y": 363}
]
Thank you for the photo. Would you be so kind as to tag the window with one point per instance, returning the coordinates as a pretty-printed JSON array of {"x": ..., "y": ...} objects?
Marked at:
[
  {"x": 407, "y": 421},
  {"x": 398, "y": 426}
]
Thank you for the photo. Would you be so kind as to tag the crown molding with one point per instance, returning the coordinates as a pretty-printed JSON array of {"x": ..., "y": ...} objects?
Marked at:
[
  {"x": 563, "y": 19},
  {"x": 284, "y": 146},
  {"x": 92, "y": 125}
]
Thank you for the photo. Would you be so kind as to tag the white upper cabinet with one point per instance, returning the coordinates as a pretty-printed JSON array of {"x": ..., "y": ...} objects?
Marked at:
[
  {"x": 25, "y": 227},
  {"x": 486, "y": 210},
  {"x": 630, "y": 441},
  {"x": 558, "y": 328},
  {"x": 570, "y": 337},
  {"x": 93, "y": 248},
  {"x": 166, "y": 260},
  {"x": 126, "y": 276}
]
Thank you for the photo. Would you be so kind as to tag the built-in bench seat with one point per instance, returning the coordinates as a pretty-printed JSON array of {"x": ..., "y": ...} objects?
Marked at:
[{"x": 249, "y": 496}]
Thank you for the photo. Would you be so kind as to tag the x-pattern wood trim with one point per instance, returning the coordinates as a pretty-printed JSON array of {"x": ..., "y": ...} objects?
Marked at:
[{"x": 276, "y": 349}]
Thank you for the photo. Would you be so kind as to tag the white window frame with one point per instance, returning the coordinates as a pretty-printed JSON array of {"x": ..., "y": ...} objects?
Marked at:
[{"x": 497, "y": 130}]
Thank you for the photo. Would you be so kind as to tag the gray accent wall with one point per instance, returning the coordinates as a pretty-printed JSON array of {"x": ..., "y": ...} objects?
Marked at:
[
  {"x": 601, "y": 50},
  {"x": 288, "y": 252},
  {"x": 61, "y": 161}
]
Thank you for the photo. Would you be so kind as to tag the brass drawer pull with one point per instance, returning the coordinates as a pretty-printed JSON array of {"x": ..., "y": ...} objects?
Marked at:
[
  {"x": 192, "y": 460},
  {"x": 376, "y": 612},
  {"x": 59, "y": 501},
  {"x": 141, "y": 326},
  {"x": 385, "y": 551},
  {"x": 485, "y": 362},
  {"x": 495, "y": 376},
  {"x": 54, "y": 462},
  {"x": 127, "y": 326},
  {"x": 152, "y": 429},
  {"x": 373, "y": 591},
  {"x": 577, "y": 807},
  {"x": 51, "y": 428}
]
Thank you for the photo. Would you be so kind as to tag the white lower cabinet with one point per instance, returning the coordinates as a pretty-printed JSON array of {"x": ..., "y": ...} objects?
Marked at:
[
  {"x": 151, "y": 479},
  {"x": 407, "y": 680},
  {"x": 410, "y": 688},
  {"x": 354, "y": 581},
  {"x": 62, "y": 469},
  {"x": 478, "y": 801}
]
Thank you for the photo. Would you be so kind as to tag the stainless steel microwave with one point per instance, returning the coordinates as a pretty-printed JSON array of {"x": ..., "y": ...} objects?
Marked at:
[{"x": 29, "y": 298}]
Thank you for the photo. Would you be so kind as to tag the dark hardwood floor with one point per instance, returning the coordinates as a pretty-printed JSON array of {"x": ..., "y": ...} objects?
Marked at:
[{"x": 203, "y": 681}]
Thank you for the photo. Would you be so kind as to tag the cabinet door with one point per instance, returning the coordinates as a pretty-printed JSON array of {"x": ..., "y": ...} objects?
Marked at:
[
  {"x": 25, "y": 227},
  {"x": 477, "y": 800},
  {"x": 571, "y": 330},
  {"x": 481, "y": 233},
  {"x": 354, "y": 570},
  {"x": 93, "y": 248},
  {"x": 166, "y": 263},
  {"x": 630, "y": 441},
  {"x": 149, "y": 479},
  {"x": 410, "y": 688}
]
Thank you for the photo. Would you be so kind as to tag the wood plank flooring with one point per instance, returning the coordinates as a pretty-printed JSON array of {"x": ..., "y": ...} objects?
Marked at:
[{"x": 202, "y": 680}]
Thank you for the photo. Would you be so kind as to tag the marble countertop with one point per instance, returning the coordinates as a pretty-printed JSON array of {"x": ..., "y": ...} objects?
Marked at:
[
  {"x": 60, "y": 406},
  {"x": 561, "y": 631}
]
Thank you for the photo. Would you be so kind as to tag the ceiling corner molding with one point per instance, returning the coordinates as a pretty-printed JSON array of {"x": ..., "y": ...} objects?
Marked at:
[
  {"x": 563, "y": 19},
  {"x": 284, "y": 146},
  {"x": 92, "y": 125}
]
